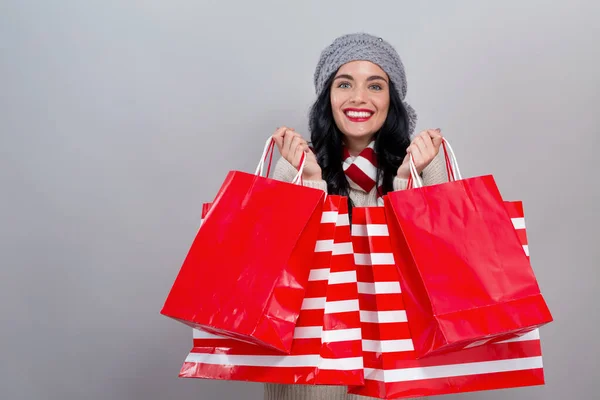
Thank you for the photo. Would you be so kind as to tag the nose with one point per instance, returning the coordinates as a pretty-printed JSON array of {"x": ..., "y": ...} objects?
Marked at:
[{"x": 359, "y": 96}]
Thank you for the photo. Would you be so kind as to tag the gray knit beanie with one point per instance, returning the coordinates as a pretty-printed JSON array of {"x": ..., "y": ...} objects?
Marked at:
[{"x": 364, "y": 47}]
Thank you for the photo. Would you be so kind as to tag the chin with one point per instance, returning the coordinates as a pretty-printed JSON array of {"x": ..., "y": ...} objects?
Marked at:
[
  {"x": 356, "y": 132},
  {"x": 359, "y": 135}
]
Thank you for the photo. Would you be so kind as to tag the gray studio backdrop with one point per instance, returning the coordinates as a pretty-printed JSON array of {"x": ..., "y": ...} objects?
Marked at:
[{"x": 119, "y": 118}]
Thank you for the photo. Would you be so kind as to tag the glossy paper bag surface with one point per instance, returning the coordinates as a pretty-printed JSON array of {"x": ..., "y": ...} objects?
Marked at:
[
  {"x": 327, "y": 339},
  {"x": 246, "y": 272},
  {"x": 392, "y": 367},
  {"x": 464, "y": 273}
]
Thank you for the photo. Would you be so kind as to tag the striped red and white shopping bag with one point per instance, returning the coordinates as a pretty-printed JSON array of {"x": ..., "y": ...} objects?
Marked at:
[
  {"x": 327, "y": 339},
  {"x": 392, "y": 369}
]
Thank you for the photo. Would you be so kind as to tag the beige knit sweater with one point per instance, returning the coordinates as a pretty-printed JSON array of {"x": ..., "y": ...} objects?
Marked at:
[{"x": 434, "y": 173}]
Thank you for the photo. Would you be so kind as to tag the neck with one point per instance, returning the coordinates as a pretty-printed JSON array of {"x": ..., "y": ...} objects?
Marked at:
[{"x": 356, "y": 145}]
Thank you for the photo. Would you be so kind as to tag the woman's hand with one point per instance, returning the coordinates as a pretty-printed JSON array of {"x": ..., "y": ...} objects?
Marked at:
[
  {"x": 291, "y": 145},
  {"x": 424, "y": 148}
]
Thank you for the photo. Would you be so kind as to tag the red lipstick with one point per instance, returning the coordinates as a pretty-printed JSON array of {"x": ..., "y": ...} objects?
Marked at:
[{"x": 358, "y": 114}]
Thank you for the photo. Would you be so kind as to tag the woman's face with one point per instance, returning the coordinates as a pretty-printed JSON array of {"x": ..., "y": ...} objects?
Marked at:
[{"x": 360, "y": 99}]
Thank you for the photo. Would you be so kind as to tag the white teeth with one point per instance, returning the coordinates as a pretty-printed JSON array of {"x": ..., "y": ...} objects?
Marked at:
[{"x": 356, "y": 114}]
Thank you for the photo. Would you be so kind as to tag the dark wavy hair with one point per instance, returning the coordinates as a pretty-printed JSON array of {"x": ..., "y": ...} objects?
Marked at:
[{"x": 391, "y": 142}]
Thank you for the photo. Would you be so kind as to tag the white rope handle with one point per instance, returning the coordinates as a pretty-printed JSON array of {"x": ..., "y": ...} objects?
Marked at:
[
  {"x": 261, "y": 164},
  {"x": 416, "y": 179},
  {"x": 298, "y": 178},
  {"x": 453, "y": 162},
  {"x": 417, "y": 182}
]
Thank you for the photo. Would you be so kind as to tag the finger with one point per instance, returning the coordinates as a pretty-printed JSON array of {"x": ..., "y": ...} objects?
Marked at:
[
  {"x": 288, "y": 137},
  {"x": 300, "y": 149},
  {"x": 414, "y": 151},
  {"x": 427, "y": 138},
  {"x": 420, "y": 143},
  {"x": 296, "y": 142},
  {"x": 433, "y": 133},
  {"x": 432, "y": 148},
  {"x": 405, "y": 160},
  {"x": 280, "y": 131},
  {"x": 436, "y": 138},
  {"x": 294, "y": 136},
  {"x": 278, "y": 137}
]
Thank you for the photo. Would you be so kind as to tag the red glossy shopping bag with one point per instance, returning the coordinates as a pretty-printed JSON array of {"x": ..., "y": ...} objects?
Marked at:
[
  {"x": 246, "y": 272},
  {"x": 392, "y": 368},
  {"x": 327, "y": 338},
  {"x": 464, "y": 274}
]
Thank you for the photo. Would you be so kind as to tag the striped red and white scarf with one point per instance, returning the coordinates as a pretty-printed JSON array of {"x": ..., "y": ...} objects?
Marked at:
[{"x": 361, "y": 170}]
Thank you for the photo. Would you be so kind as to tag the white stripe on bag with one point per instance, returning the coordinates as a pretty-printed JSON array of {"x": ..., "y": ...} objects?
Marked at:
[
  {"x": 329, "y": 217},
  {"x": 312, "y": 360},
  {"x": 307, "y": 332},
  {"x": 388, "y": 346},
  {"x": 526, "y": 249},
  {"x": 370, "y": 230},
  {"x": 333, "y": 307},
  {"x": 337, "y": 278},
  {"x": 343, "y": 220},
  {"x": 449, "y": 371},
  {"x": 342, "y": 248},
  {"x": 374, "y": 259},
  {"x": 313, "y": 303},
  {"x": 254, "y": 361},
  {"x": 374, "y": 374},
  {"x": 518, "y": 223},
  {"x": 379, "y": 287},
  {"x": 341, "y": 335},
  {"x": 341, "y": 364},
  {"x": 324, "y": 246},
  {"x": 321, "y": 274},
  {"x": 383, "y": 316}
]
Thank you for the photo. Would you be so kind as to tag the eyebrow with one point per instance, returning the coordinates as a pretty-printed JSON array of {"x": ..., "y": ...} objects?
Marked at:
[{"x": 369, "y": 79}]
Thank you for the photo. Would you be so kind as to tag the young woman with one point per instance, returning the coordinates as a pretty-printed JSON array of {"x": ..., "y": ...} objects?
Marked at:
[
  {"x": 360, "y": 110},
  {"x": 361, "y": 133}
]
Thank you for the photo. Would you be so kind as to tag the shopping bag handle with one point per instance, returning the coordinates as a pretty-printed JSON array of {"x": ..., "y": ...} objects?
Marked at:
[
  {"x": 451, "y": 167},
  {"x": 269, "y": 147},
  {"x": 268, "y": 153}
]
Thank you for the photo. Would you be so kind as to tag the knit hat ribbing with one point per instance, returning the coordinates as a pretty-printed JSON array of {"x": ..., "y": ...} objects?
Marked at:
[{"x": 364, "y": 47}]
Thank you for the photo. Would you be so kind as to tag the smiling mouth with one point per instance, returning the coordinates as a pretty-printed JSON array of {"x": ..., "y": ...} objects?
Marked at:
[{"x": 358, "y": 115}]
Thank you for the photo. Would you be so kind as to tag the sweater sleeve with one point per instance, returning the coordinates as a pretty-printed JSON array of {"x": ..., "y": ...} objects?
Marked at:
[
  {"x": 436, "y": 173},
  {"x": 400, "y": 183},
  {"x": 284, "y": 171}
]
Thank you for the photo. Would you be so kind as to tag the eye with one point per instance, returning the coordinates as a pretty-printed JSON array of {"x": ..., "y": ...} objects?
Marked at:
[
  {"x": 376, "y": 87},
  {"x": 344, "y": 85}
]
